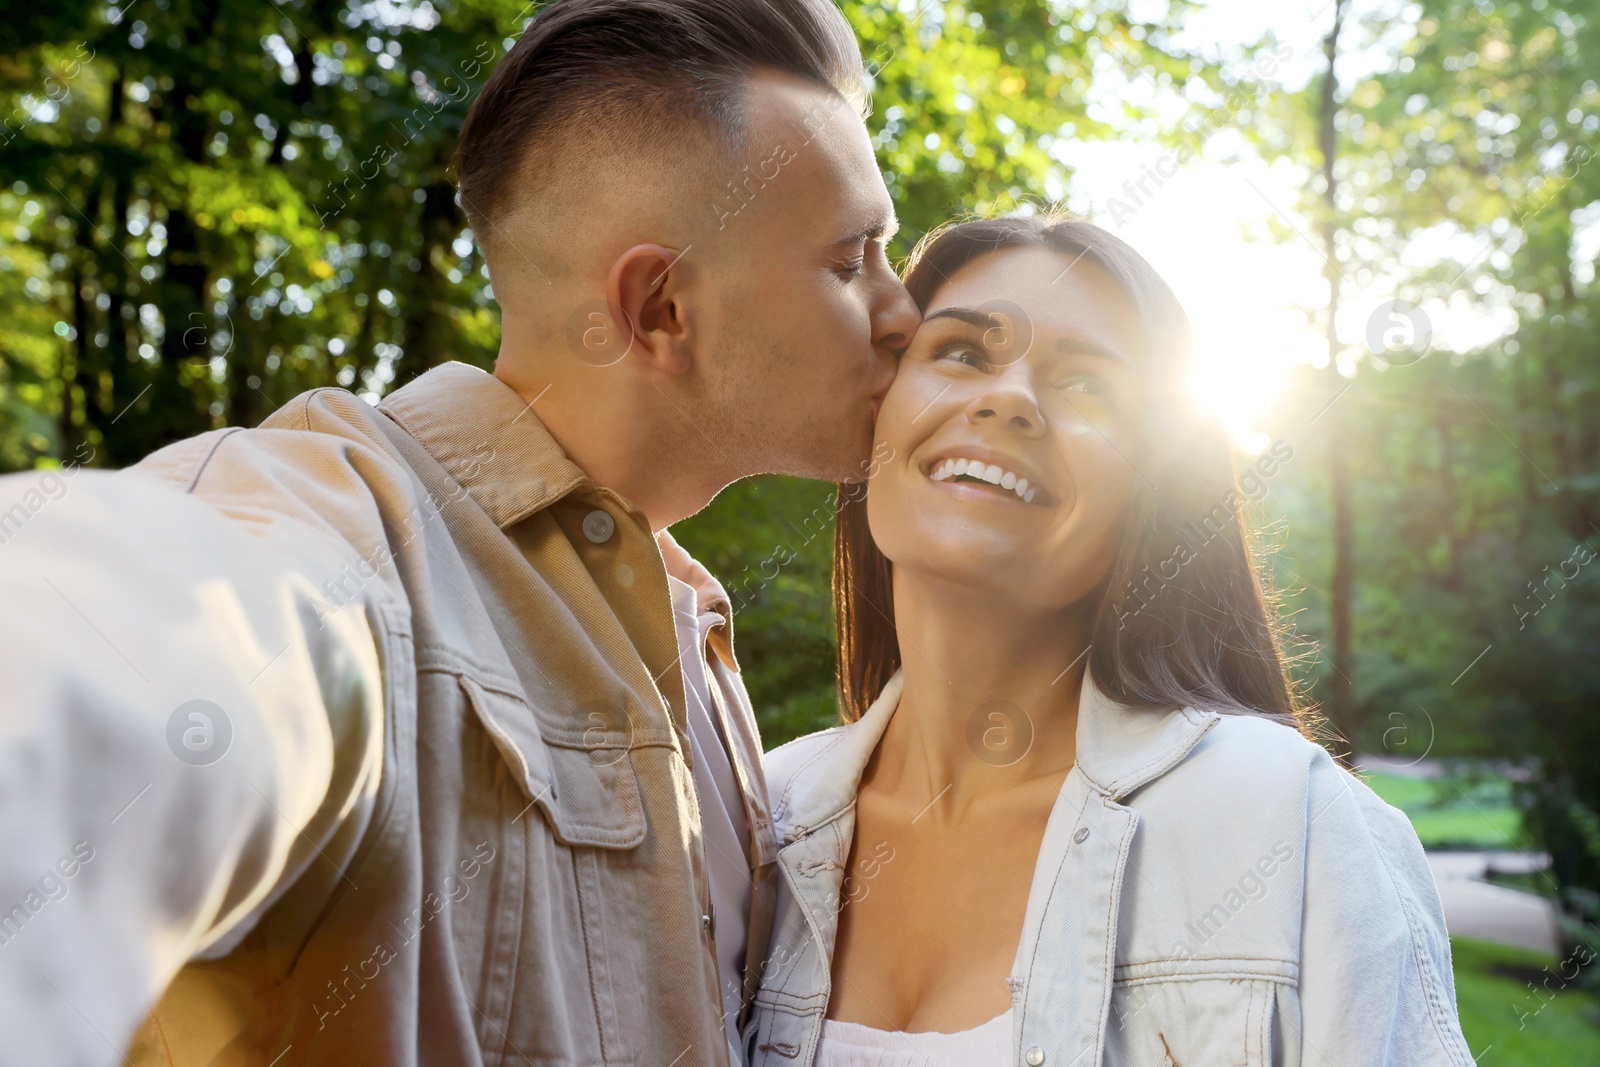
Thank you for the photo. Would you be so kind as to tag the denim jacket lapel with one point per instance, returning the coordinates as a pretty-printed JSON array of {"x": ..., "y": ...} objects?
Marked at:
[
  {"x": 1065, "y": 965},
  {"x": 1063, "y": 977}
]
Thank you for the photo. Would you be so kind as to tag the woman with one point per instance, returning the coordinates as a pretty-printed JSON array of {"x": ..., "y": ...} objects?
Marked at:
[{"x": 1071, "y": 818}]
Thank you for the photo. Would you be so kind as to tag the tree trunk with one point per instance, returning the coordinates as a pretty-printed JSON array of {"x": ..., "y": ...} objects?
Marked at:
[
  {"x": 1449, "y": 513},
  {"x": 119, "y": 275},
  {"x": 423, "y": 322},
  {"x": 1340, "y": 708}
]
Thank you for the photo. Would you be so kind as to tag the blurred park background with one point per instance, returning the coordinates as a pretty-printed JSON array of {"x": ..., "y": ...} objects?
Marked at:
[{"x": 1383, "y": 217}]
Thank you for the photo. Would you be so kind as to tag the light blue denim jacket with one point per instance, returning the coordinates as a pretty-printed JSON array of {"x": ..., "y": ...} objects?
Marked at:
[{"x": 1212, "y": 891}]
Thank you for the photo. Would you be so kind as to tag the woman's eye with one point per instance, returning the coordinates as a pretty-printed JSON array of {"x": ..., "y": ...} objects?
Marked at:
[
  {"x": 962, "y": 352},
  {"x": 1091, "y": 384}
]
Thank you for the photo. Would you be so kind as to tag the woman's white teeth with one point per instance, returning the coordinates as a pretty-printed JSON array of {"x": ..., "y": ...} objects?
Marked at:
[{"x": 991, "y": 473}]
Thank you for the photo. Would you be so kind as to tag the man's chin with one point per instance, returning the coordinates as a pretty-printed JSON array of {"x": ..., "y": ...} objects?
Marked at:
[
  {"x": 825, "y": 452},
  {"x": 853, "y": 467},
  {"x": 850, "y": 468}
]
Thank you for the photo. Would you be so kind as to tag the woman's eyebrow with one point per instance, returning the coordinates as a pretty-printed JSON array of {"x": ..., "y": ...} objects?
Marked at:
[
  {"x": 1075, "y": 345},
  {"x": 970, "y": 316},
  {"x": 1087, "y": 347}
]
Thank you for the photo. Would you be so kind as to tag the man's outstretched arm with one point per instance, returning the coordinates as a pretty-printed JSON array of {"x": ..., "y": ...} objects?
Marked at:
[{"x": 186, "y": 727}]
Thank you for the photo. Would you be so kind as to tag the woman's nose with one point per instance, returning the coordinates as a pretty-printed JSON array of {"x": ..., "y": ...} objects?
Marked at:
[{"x": 1013, "y": 405}]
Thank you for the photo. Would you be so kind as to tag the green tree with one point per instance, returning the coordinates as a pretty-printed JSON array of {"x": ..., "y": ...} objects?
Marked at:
[
  {"x": 1476, "y": 477},
  {"x": 208, "y": 206}
]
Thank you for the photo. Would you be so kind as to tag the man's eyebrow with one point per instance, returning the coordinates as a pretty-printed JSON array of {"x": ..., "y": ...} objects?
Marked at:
[{"x": 880, "y": 230}]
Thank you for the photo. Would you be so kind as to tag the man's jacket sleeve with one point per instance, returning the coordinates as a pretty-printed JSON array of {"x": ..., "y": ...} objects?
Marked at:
[{"x": 187, "y": 723}]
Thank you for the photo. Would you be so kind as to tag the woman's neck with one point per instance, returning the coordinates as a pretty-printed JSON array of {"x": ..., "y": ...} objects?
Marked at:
[{"x": 990, "y": 697}]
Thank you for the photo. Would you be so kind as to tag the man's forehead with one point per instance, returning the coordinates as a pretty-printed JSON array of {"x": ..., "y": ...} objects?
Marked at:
[
  {"x": 816, "y": 135},
  {"x": 775, "y": 94},
  {"x": 805, "y": 118}
]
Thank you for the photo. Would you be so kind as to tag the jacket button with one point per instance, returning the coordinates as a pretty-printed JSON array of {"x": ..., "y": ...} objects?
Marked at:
[
  {"x": 1081, "y": 836},
  {"x": 705, "y": 921},
  {"x": 1034, "y": 1056},
  {"x": 598, "y": 526}
]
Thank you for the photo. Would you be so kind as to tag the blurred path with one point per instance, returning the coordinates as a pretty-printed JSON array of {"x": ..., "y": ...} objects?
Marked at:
[{"x": 1475, "y": 908}]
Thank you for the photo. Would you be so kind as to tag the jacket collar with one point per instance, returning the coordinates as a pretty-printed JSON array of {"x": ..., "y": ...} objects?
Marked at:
[
  {"x": 1120, "y": 748},
  {"x": 487, "y": 437},
  {"x": 709, "y": 595}
]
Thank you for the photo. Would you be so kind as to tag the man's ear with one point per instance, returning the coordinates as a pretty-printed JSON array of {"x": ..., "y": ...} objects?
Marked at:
[{"x": 647, "y": 284}]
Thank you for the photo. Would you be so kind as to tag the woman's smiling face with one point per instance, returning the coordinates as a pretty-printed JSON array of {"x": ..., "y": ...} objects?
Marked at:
[{"x": 1023, "y": 371}]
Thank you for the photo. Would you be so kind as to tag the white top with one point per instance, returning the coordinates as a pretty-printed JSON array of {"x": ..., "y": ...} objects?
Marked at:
[
  {"x": 853, "y": 1045},
  {"x": 722, "y": 819}
]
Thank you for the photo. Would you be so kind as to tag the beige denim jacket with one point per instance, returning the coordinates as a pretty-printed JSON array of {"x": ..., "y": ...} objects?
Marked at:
[{"x": 371, "y": 724}]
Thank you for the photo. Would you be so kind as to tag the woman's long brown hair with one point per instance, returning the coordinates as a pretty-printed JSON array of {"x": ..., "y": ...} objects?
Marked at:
[{"x": 1198, "y": 633}]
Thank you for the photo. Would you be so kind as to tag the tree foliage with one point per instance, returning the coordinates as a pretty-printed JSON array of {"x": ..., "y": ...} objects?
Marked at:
[
  {"x": 207, "y": 206},
  {"x": 1467, "y": 177}
]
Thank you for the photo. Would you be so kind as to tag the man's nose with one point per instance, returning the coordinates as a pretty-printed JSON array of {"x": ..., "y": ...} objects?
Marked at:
[{"x": 896, "y": 321}]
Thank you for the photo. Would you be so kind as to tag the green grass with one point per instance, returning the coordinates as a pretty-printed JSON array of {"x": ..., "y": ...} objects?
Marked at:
[
  {"x": 1490, "y": 828},
  {"x": 1455, "y": 811},
  {"x": 1507, "y": 1024}
]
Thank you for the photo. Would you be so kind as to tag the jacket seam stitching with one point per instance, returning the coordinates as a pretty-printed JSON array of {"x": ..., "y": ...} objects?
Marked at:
[
  {"x": 1207, "y": 959},
  {"x": 161, "y": 1032},
  {"x": 387, "y": 800},
  {"x": 1424, "y": 967},
  {"x": 514, "y": 949},
  {"x": 200, "y": 468},
  {"x": 1207, "y": 976},
  {"x": 1164, "y": 762},
  {"x": 788, "y": 787},
  {"x": 1258, "y": 1008},
  {"x": 1033, "y": 957},
  {"x": 1112, "y": 901}
]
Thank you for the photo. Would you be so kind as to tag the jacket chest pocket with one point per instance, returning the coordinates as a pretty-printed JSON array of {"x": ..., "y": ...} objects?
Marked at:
[
  {"x": 568, "y": 850},
  {"x": 580, "y": 776},
  {"x": 1192, "y": 1022}
]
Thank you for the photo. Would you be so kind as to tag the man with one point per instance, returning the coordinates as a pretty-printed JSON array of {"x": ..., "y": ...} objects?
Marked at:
[{"x": 369, "y": 736}]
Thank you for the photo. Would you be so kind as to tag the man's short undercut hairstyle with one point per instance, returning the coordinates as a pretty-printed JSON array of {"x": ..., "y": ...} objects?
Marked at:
[{"x": 628, "y": 71}]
